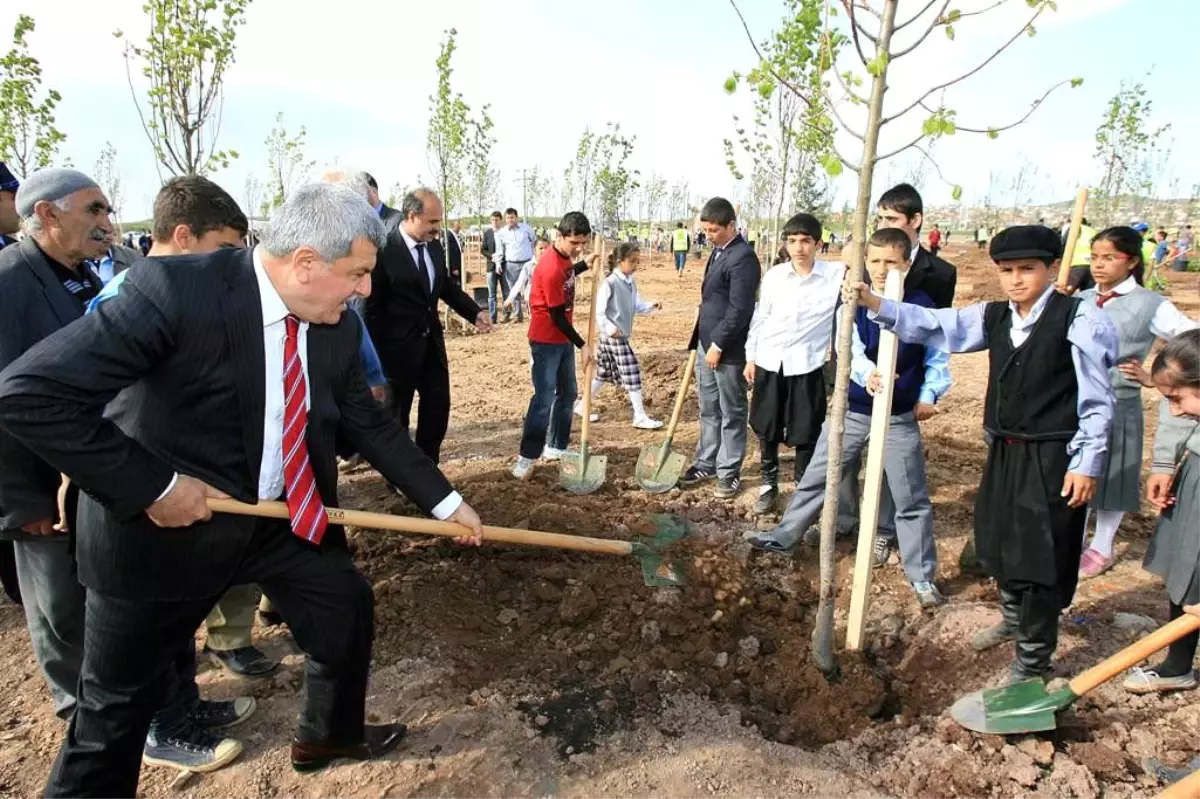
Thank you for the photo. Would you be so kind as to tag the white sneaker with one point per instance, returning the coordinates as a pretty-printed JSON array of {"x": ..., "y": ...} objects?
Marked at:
[
  {"x": 524, "y": 468},
  {"x": 646, "y": 423},
  {"x": 579, "y": 412},
  {"x": 551, "y": 454}
]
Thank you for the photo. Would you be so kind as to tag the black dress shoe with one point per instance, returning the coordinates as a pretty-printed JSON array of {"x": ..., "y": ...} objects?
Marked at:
[
  {"x": 270, "y": 618},
  {"x": 378, "y": 740},
  {"x": 246, "y": 661}
]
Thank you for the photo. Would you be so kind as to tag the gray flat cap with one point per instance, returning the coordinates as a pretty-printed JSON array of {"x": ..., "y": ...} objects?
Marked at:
[{"x": 50, "y": 185}]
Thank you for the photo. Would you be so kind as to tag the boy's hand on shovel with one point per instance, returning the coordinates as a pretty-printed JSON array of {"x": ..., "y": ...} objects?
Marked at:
[{"x": 466, "y": 516}]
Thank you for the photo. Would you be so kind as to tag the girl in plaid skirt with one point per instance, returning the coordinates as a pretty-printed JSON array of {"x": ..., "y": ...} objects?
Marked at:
[{"x": 616, "y": 305}]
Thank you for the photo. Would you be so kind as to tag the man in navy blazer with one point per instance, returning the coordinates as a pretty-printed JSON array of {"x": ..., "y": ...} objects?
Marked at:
[{"x": 727, "y": 298}]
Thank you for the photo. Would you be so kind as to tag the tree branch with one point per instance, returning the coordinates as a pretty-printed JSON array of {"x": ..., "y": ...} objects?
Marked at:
[
  {"x": 930, "y": 159},
  {"x": 854, "y": 29},
  {"x": 846, "y": 127},
  {"x": 1033, "y": 107},
  {"x": 937, "y": 20},
  {"x": 965, "y": 14},
  {"x": 966, "y": 75},
  {"x": 795, "y": 90},
  {"x": 902, "y": 25},
  {"x": 898, "y": 150}
]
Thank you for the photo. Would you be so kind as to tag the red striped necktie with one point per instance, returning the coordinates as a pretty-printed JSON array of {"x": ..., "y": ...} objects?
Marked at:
[
  {"x": 1102, "y": 298},
  {"x": 305, "y": 509}
]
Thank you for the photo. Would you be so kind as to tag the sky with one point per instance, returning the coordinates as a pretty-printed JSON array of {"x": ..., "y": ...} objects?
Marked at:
[{"x": 357, "y": 74}]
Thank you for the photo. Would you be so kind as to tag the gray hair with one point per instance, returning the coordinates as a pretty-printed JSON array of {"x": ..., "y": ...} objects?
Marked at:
[
  {"x": 358, "y": 181},
  {"x": 32, "y": 224},
  {"x": 328, "y": 217},
  {"x": 414, "y": 201}
]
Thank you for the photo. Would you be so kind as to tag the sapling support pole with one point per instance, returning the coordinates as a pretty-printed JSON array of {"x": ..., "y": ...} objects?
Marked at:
[
  {"x": 1064, "y": 268},
  {"x": 868, "y": 518}
]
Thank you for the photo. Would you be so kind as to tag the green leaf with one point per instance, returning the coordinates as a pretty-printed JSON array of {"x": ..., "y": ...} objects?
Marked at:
[
  {"x": 877, "y": 65},
  {"x": 1032, "y": 31},
  {"x": 1076, "y": 82},
  {"x": 952, "y": 15},
  {"x": 956, "y": 193},
  {"x": 950, "y": 32},
  {"x": 731, "y": 85},
  {"x": 832, "y": 164},
  {"x": 993, "y": 134}
]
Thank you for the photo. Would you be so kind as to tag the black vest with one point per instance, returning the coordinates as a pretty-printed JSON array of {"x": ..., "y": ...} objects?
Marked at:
[{"x": 1032, "y": 390}]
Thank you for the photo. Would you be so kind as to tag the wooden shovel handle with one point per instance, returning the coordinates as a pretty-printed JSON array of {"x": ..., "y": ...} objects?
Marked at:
[
  {"x": 1064, "y": 267},
  {"x": 408, "y": 524},
  {"x": 682, "y": 395},
  {"x": 1132, "y": 655},
  {"x": 1186, "y": 788},
  {"x": 586, "y": 429}
]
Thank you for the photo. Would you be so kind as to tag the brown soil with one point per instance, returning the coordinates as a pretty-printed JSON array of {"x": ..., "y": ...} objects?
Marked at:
[{"x": 536, "y": 673}]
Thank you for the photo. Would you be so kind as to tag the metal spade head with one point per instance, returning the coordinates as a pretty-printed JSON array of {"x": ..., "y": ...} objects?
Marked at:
[
  {"x": 659, "y": 571},
  {"x": 582, "y": 473},
  {"x": 658, "y": 468},
  {"x": 1024, "y": 706}
]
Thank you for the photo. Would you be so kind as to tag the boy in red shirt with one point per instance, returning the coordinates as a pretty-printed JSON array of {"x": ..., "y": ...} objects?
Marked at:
[{"x": 552, "y": 344}]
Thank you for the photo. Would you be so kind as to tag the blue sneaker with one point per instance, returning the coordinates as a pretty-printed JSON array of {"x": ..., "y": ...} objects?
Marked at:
[
  {"x": 216, "y": 715},
  {"x": 190, "y": 749}
]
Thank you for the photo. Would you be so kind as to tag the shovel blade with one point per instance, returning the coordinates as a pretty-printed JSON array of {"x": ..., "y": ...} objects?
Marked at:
[
  {"x": 658, "y": 470},
  {"x": 1018, "y": 708},
  {"x": 582, "y": 475}
]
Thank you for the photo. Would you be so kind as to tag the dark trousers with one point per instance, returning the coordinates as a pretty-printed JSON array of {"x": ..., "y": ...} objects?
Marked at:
[
  {"x": 548, "y": 419},
  {"x": 132, "y": 650},
  {"x": 769, "y": 452},
  {"x": 8, "y": 572},
  {"x": 1031, "y": 611},
  {"x": 1182, "y": 652},
  {"x": 430, "y": 379}
]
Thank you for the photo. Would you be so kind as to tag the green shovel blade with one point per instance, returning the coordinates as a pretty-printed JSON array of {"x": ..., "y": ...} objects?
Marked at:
[{"x": 1021, "y": 707}]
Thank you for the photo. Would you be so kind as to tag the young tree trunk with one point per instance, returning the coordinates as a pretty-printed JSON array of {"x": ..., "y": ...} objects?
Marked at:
[{"x": 823, "y": 631}]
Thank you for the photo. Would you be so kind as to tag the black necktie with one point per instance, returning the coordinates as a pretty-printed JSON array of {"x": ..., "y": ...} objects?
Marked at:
[{"x": 421, "y": 264}]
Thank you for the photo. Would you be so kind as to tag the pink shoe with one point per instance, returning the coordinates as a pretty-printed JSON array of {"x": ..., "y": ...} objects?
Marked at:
[{"x": 1093, "y": 564}]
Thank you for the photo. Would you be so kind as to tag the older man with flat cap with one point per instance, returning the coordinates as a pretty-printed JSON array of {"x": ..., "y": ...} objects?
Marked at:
[{"x": 46, "y": 283}]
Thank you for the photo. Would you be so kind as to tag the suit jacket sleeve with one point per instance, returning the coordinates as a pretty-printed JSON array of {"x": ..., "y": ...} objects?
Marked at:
[
  {"x": 743, "y": 285},
  {"x": 374, "y": 434},
  {"x": 52, "y": 398},
  {"x": 24, "y": 476}
]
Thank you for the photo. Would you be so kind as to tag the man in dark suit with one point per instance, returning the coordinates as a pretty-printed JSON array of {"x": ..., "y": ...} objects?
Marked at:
[
  {"x": 402, "y": 315},
  {"x": 899, "y": 207},
  {"x": 10, "y": 225},
  {"x": 233, "y": 373},
  {"x": 727, "y": 298}
]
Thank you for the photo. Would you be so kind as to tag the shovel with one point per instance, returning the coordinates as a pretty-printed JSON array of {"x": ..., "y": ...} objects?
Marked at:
[
  {"x": 1186, "y": 788},
  {"x": 1027, "y": 706},
  {"x": 582, "y": 472},
  {"x": 658, "y": 468},
  {"x": 657, "y": 570}
]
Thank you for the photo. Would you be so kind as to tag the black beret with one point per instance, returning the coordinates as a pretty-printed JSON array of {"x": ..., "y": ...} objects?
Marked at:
[{"x": 1025, "y": 241}]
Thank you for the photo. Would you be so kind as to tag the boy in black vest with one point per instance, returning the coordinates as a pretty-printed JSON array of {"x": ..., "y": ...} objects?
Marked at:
[
  {"x": 1048, "y": 409},
  {"x": 923, "y": 377}
]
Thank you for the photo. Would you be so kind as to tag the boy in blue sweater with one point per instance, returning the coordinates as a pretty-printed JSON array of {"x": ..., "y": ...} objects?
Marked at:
[{"x": 922, "y": 377}]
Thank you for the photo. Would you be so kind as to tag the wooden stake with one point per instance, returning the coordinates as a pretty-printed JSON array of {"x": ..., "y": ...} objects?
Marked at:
[
  {"x": 1064, "y": 268},
  {"x": 868, "y": 518}
]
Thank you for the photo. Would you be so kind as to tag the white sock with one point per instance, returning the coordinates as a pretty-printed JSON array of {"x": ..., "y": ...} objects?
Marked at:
[
  {"x": 597, "y": 384},
  {"x": 639, "y": 410},
  {"x": 1107, "y": 522}
]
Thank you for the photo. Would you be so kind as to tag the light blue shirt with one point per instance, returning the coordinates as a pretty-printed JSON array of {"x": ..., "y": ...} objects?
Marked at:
[
  {"x": 1093, "y": 339},
  {"x": 937, "y": 370}
]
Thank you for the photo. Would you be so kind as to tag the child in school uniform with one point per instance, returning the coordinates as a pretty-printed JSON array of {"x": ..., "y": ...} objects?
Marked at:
[
  {"x": 521, "y": 286},
  {"x": 1174, "y": 488},
  {"x": 785, "y": 352},
  {"x": 923, "y": 377},
  {"x": 617, "y": 302},
  {"x": 1047, "y": 412},
  {"x": 1141, "y": 316}
]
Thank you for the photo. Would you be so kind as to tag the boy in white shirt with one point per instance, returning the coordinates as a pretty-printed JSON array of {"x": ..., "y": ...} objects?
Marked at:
[{"x": 785, "y": 352}]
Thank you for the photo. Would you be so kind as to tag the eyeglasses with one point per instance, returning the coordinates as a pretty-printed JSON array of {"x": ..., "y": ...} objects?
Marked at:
[{"x": 1109, "y": 258}]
